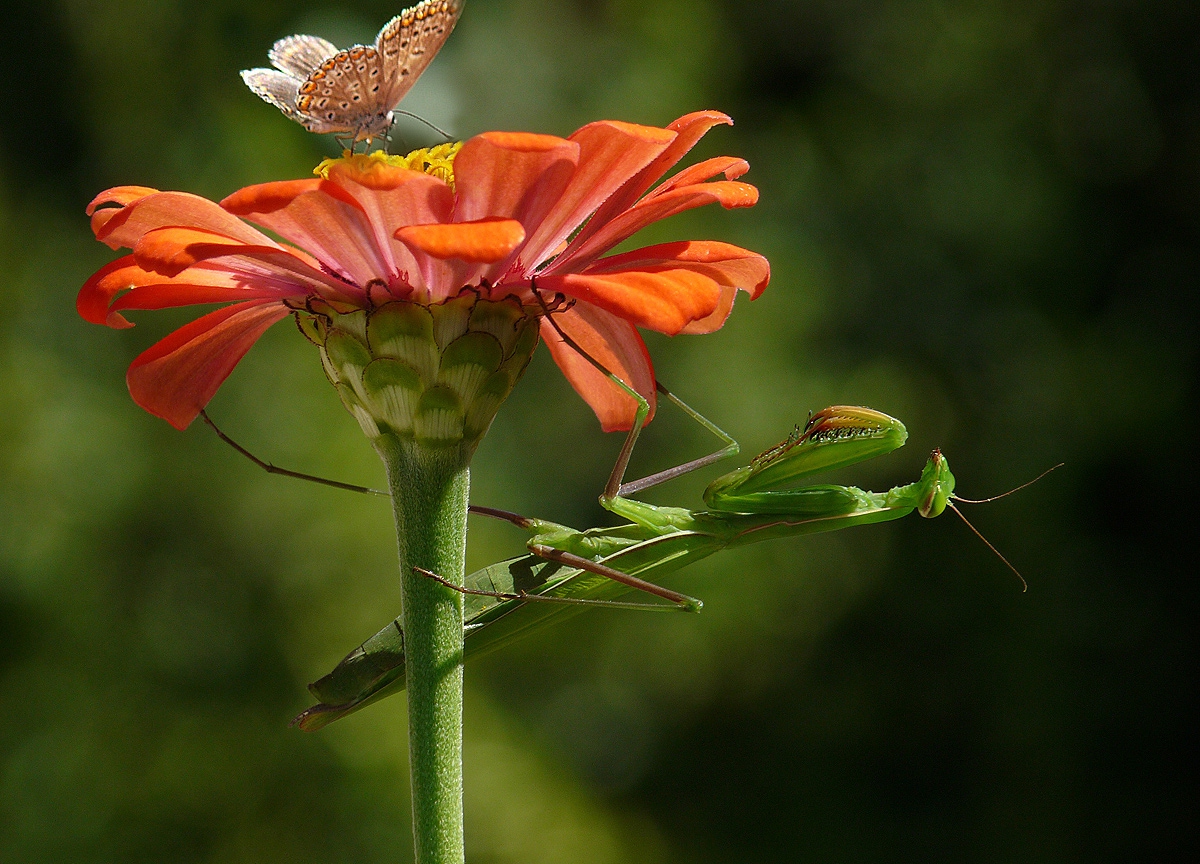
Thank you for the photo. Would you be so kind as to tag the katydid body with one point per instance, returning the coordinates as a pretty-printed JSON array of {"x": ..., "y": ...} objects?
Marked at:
[{"x": 748, "y": 505}]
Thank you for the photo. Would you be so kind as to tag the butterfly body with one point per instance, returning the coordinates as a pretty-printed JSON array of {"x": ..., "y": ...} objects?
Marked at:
[{"x": 353, "y": 92}]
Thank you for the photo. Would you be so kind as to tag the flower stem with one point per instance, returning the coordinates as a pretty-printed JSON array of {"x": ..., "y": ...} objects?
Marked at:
[{"x": 430, "y": 489}]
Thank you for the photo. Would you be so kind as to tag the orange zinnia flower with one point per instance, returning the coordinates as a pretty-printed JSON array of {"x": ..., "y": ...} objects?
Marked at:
[{"x": 518, "y": 209}]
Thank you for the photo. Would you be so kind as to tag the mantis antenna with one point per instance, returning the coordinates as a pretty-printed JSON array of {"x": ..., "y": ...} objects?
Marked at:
[
  {"x": 1010, "y": 491},
  {"x": 988, "y": 543}
]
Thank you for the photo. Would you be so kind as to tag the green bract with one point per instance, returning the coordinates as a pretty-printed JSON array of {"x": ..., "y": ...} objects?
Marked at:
[{"x": 434, "y": 375}]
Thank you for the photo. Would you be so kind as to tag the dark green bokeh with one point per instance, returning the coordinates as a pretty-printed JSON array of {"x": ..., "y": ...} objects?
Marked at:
[{"x": 982, "y": 218}]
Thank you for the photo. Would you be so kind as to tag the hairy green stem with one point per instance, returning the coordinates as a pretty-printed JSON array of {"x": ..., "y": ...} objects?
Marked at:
[{"x": 430, "y": 487}]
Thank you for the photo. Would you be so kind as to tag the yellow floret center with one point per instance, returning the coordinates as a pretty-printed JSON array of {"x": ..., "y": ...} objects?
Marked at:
[{"x": 436, "y": 161}]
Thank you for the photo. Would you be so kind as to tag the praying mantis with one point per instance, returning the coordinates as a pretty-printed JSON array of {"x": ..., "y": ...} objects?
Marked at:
[{"x": 567, "y": 569}]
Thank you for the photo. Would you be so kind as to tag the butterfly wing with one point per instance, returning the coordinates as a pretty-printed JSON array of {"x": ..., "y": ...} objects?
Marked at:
[
  {"x": 343, "y": 95},
  {"x": 278, "y": 88},
  {"x": 408, "y": 43},
  {"x": 354, "y": 91},
  {"x": 294, "y": 59},
  {"x": 299, "y": 55}
]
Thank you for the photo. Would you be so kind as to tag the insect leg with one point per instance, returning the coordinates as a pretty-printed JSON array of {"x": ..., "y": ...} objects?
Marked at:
[
  {"x": 274, "y": 469},
  {"x": 616, "y": 487},
  {"x": 686, "y": 603},
  {"x": 526, "y": 597}
]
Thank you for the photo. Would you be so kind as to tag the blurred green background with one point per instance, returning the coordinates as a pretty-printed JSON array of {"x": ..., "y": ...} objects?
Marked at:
[{"x": 982, "y": 218}]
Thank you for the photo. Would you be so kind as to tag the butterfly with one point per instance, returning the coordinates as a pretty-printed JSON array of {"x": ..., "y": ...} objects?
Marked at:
[{"x": 354, "y": 91}]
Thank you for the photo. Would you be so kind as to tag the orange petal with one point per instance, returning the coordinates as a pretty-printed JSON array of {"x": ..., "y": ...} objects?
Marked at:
[
  {"x": 170, "y": 294},
  {"x": 281, "y": 269},
  {"x": 122, "y": 196},
  {"x": 665, "y": 299},
  {"x": 715, "y": 320},
  {"x": 119, "y": 195},
  {"x": 322, "y": 218},
  {"x": 146, "y": 290},
  {"x": 106, "y": 283},
  {"x": 174, "y": 378},
  {"x": 728, "y": 265},
  {"x": 689, "y": 129},
  {"x": 371, "y": 173},
  {"x": 268, "y": 197},
  {"x": 170, "y": 251},
  {"x": 731, "y": 167},
  {"x": 516, "y": 175},
  {"x": 609, "y": 154},
  {"x": 172, "y": 210},
  {"x": 479, "y": 242},
  {"x": 651, "y": 209},
  {"x": 618, "y": 347}
]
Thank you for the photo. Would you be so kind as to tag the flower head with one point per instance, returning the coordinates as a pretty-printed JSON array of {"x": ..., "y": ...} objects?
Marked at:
[{"x": 506, "y": 215}]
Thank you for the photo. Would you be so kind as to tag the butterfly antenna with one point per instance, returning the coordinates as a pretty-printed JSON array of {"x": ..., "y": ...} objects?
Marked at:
[
  {"x": 1010, "y": 491},
  {"x": 420, "y": 119},
  {"x": 975, "y": 531}
]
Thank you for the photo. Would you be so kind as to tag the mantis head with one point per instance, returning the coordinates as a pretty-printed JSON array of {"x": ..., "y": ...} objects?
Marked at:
[{"x": 936, "y": 484}]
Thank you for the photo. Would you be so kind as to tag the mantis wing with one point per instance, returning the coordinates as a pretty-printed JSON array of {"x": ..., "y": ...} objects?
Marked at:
[{"x": 375, "y": 669}]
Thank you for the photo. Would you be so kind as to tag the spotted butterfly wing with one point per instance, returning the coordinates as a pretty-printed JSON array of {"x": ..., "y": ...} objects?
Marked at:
[
  {"x": 354, "y": 91},
  {"x": 408, "y": 43},
  {"x": 299, "y": 55}
]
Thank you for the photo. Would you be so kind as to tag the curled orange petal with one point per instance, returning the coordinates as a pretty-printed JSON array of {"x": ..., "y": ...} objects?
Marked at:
[
  {"x": 375, "y": 174},
  {"x": 480, "y": 242},
  {"x": 728, "y": 265},
  {"x": 124, "y": 226},
  {"x": 665, "y": 299},
  {"x": 170, "y": 251},
  {"x": 269, "y": 197},
  {"x": 119, "y": 195},
  {"x": 730, "y": 166},
  {"x": 106, "y": 283},
  {"x": 653, "y": 208}
]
